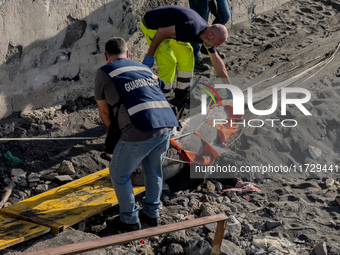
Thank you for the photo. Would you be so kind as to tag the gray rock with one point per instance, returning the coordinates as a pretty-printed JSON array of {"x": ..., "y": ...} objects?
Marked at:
[
  {"x": 218, "y": 186},
  {"x": 48, "y": 177},
  {"x": 321, "y": 249},
  {"x": 210, "y": 186},
  {"x": 226, "y": 199},
  {"x": 329, "y": 182},
  {"x": 180, "y": 201},
  {"x": 206, "y": 210},
  {"x": 211, "y": 227},
  {"x": 225, "y": 209},
  {"x": 198, "y": 247},
  {"x": 250, "y": 251},
  {"x": 64, "y": 178},
  {"x": 175, "y": 249},
  {"x": 229, "y": 248},
  {"x": 212, "y": 194},
  {"x": 236, "y": 199},
  {"x": 231, "y": 194},
  {"x": 32, "y": 184},
  {"x": 194, "y": 203},
  {"x": 270, "y": 224},
  {"x": 249, "y": 228},
  {"x": 259, "y": 226},
  {"x": 233, "y": 227},
  {"x": 33, "y": 177},
  {"x": 232, "y": 207},
  {"x": 41, "y": 188},
  {"x": 219, "y": 199},
  {"x": 178, "y": 237},
  {"x": 66, "y": 168}
]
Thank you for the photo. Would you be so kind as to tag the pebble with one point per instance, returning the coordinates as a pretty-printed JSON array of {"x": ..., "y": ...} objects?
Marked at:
[
  {"x": 329, "y": 183},
  {"x": 66, "y": 168}
]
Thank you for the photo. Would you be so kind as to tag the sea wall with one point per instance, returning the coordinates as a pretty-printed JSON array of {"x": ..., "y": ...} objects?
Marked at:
[{"x": 50, "y": 50}]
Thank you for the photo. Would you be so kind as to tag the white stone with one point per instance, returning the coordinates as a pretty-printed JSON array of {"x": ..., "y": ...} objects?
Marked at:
[
  {"x": 314, "y": 152},
  {"x": 33, "y": 177}
]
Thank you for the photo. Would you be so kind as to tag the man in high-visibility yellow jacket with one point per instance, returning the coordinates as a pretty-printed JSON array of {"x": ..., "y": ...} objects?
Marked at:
[{"x": 169, "y": 31}]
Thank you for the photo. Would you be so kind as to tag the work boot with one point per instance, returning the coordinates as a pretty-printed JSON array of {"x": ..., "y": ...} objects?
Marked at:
[
  {"x": 152, "y": 222},
  {"x": 200, "y": 65},
  {"x": 121, "y": 227},
  {"x": 180, "y": 94}
]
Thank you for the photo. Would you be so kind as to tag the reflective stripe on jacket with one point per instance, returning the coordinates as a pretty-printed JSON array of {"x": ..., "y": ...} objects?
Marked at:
[{"x": 141, "y": 92}]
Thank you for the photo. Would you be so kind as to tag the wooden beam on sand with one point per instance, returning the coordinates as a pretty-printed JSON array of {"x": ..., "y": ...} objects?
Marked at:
[
  {"x": 8, "y": 193},
  {"x": 95, "y": 244}
]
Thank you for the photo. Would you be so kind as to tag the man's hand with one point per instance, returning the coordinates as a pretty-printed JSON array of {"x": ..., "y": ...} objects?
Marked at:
[{"x": 148, "y": 60}]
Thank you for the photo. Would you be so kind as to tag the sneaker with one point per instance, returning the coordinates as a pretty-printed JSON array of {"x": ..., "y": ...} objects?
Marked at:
[
  {"x": 200, "y": 65},
  {"x": 121, "y": 227},
  {"x": 152, "y": 222}
]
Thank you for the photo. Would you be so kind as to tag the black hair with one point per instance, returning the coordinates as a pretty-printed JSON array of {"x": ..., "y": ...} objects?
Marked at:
[{"x": 115, "y": 46}]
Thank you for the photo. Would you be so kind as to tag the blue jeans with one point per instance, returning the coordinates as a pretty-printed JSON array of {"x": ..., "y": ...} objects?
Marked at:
[
  {"x": 202, "y": 8},
  {"x": 125, "y": 159}
]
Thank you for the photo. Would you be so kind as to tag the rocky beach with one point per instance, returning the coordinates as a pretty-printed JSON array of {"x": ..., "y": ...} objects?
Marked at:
[{"x": 287, "y": 214}]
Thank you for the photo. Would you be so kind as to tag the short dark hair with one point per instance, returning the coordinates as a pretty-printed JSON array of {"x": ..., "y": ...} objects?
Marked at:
[{"x": 115, "y": 46}]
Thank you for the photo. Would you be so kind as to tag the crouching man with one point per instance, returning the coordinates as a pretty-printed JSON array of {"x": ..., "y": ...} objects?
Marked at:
[{"x": 132, "y": 95}]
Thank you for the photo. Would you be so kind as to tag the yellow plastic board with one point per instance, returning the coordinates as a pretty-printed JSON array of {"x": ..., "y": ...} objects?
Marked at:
[
  {"x": 69, "y": 204},
  {"x": 13, "y": 231}
]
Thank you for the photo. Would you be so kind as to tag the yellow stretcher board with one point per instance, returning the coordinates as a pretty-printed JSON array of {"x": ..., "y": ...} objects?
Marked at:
[
  {"x": 69, "y": 204},
  {"x": 13, "y": 231}
]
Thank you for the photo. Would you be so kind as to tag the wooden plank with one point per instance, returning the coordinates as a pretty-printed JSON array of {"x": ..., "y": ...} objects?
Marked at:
[
  {"x": 131, "y": 236},
  {"x": 68, "y": 204},
  {"x": 13, "y": 231},
  {"x": 216, "y": 247}
]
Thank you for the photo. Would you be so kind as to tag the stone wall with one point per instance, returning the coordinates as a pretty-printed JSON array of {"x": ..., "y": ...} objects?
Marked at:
[{"x": 50, "y": 50}]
